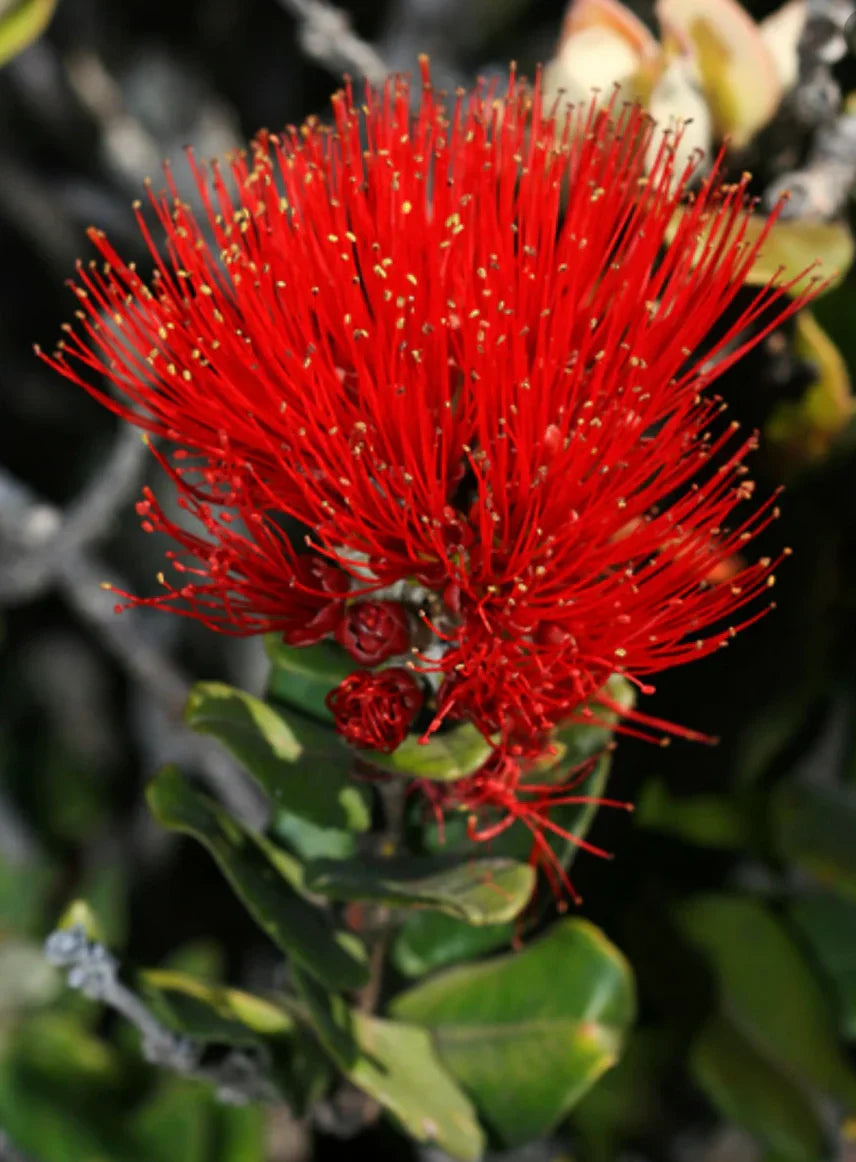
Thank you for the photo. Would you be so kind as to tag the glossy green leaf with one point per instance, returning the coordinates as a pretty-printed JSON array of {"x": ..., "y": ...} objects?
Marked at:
[
  {"x": 211, "y": 1012},
  {"x": 814, "y": 828},
  {"x": 827, "y": 924},
  {"x": 302, "y": 766},
  {"x": 267, "y": 881},
  {"x": 542, "y": 1025},
  {"x": 397, "y": 1065},
  {"x": 628, "y": 1102},
  {"x": 431, "y": 940},
  {"x": 768, "y": 990},
  {"x": 308, "y": 840},
  {"x": 705, "y": 820},
  {"x": 302, "y": 678},
  {"x": 22, "y": 22},
  {"x": 747, "y": 1088},
  {"x": 479, "y": 891},
  {"x": 233, "y": 1017},
  {"x": 183, "y": 1121},
  {"x": 444, "y": 757}
]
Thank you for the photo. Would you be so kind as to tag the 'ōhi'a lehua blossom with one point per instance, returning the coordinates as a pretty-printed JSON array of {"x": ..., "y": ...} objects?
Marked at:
[{"x": 455, "y": 348}]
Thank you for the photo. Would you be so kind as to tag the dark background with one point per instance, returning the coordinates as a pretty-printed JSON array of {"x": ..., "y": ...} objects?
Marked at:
[{"x": 88, "y": 710}]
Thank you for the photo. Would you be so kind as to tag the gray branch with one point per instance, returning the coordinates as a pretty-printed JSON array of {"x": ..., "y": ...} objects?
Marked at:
[
  {"x": 820, "y": 186},
  {"x": 40, "y": 542},
  {"x": 238, "y": 1078},
  {"x": 325, "y": 35},
  {"x": 42, "y": 548}
]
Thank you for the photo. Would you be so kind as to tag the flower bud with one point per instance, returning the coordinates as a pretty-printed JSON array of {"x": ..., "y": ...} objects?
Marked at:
[
  {"x": 372, "y": 631},
  {"x": 375, "y": 711}
]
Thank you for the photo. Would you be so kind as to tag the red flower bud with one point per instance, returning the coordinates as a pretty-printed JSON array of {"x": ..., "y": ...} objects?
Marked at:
[
  {"x": 372, "y": 631},
  {"x": 375, "y": 711}
]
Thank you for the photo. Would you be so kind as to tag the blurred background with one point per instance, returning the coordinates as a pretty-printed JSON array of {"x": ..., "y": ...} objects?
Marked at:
[{"x": 91, "y": 703}]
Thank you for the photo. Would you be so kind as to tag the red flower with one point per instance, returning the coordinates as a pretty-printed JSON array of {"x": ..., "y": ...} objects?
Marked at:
[
  {"x": 372, "y": 631},
  {"x": 498, "y": 795},
  {"x": 317, "y": 607},
  {"x": 375, "y": 711},
  {"x": 457, "y": 349}
]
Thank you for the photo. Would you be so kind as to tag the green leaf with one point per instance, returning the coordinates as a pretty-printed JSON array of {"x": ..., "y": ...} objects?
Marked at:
[
  {"x": 480, "y": 891},
  {"x": 68, "y": 1060},
  {"x": 399, "y": 1068},
  {"x": 303, "y": 677},
  {"x": 705, "y": 820},
  {"x": 182, "y": 1121},
  {"x": 396, "y": 1064},
  {"x": 814, "y": 829},
  {"x": 430, "y": 940},
  {"x": 303, "y": 767},
  {"x": 827, "y": 923},
  {"x": 444, "y": 757},
  {"x": 748, "y": 1089},
  {"x": 529, "y": 1033},
  {"x": 22, "y": 22},
  {"x": 267, "y": 881},
  {"x": 768, "y": 991},
  {"x": 630, "y": 1101},
  {"x": 308, "y": 840},
  {"x": 211, "y": 1012},
  {"x": 233, "y": 1017}
]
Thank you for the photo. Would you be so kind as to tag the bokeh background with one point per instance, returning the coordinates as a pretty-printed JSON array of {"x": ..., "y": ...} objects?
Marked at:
[{"x": 90, "y": 703}]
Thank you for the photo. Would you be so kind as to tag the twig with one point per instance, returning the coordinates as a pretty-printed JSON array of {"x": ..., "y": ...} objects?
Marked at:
[
  {"x": 40, "y": 541},
  {"x": 326, "y": 35},
  {"x": 42, "y": 549},
  {"x": 238, "y": 1077},
  {"x": 386, "y": 843},
  {"x": 31, "y": 210},
  {"x": 820, "y": 186},
  {"x": 80, "y": 583},
  {"x": 415, "y": 27}
]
